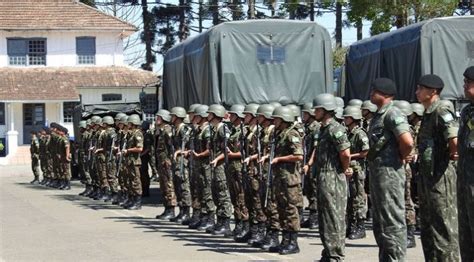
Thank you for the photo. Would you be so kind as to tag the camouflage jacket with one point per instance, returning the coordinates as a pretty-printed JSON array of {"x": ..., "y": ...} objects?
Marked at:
[
  {"x": 331, "y": 140},
  {"x": 466, "y": 145},
  {"x": 359, "y": 143}
]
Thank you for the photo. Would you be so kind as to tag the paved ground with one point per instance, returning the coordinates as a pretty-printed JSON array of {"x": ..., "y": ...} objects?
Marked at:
[{"x": 42, "y": 224}]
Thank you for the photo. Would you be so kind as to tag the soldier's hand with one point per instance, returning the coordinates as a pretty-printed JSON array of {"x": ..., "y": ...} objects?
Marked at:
[
  {"x": 305, "y": 169},
  {"x": 263, "y": 159},
  {"x": 275, "y": 160},
  {"x": 246, "y": 161},
  {"x": 409, "y": 159},
  {"x": 195, "y": 154},
  {"x": 167, "y": 164},
  {"x": 124, "y": 152},
  {"x": 175, "y": 156},
  {"x": 348, "y": 172},
  {"x": 214, "y": 163}
]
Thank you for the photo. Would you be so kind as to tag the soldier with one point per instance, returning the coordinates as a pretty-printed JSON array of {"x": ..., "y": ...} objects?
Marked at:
[
  {"x": 106, "y": 160},
  {"x": 465, "y": 183},
  {"x": 148, "y": 148},
  {"x": 133, "y": 162},
  {"x": 125, "y": 193},
  {"x": 65, "y": 158},
  {"x": 390, "y": 145},
  {"x": 437, "y": 149},
  {"x": 220, "y": 190},
  {"x": 53, "y": 148},
  {"x": 48, "y": 158},
  {"x": 43, "y": 155},
  {"x": 312, "y": 128},
  {"x": 415, "y": 122},
  {"x": 368, "y": 111},
  {"x": 357, "y": 202},
  {"x": 83, "y": 170},
  {"x": 96, "y": 192},
  {"x": 35, "y": 157},
  {"x": 331, "y": 159},
  {"x": 164, "y": 142},
  {"x": 286, "y": 181},
  {"x": 181, "y": 175}
]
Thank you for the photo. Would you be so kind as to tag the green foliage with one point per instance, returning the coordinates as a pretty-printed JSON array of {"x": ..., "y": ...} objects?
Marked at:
[{"x": 339, "y": 56}]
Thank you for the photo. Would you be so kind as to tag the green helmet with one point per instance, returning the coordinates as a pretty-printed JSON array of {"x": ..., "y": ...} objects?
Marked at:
[
  {"x": 82, "y": 124},
  {"x": 202, "y": 110},
  {"x": 339, "y": 102},
  {"x": 295, "y": 109},
  {"x": 284, "y": 100},
  {"x": 108, "y": 120},
  {"x": 178, "y": 111},
  {"x": 186, "y": 120},
  {"x": 119, "y": 115},
  {"x": 164, "y": 114},
  {"x": 352, "y": 111},
  {"x": 338, "y": 112},
  {"x": 134, "y": 120},
  {"x": 308, "y": 108},
  {"x": 265, "y": 110},
  {"x": 284, "y": 113},
  {"x": 418, "y": 109},
  {"x": 325, "y": 101},
  {"x": 123, "y": 120},
  {"x": 192, "y": 108},
  {"x": 217, "y": 110},
  {"x": 447, "y": 104},
  {"x": 404, "y": 106},
  {"x": 367, "y": 105},
  {"x": 275, "y": 104},
  {"x": 88, "y": 122},
  {"x": 237, "y": 109},
  {"x": 96, "y": 120},
  {"x": 251, "y": 109},
  {"x": 355, "y": 102}
]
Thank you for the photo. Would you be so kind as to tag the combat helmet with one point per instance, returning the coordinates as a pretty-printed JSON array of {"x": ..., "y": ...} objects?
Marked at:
[
  {"x": 355, "y": 102},
  {"x": 418, "y": 109},
  {"x": 217, "y": 110},
  {"x": 284, "y": 113},
  {"x": 295, "y": 109},
  {"x": 368, "y": 105},
  {"x": 404, "y": 106},
  {"x": 164, "y": 114},
  {"x": 108, "y": 120},
  {"x": 202, "y": 111},
  {"x": 134, "y": 120},
  {"x": 251, "y": 109},
  {"x": 192, "y": 108},
  {"x": 352, "y": 111},
  {"x": 325, "y": 101},
  {"x": 265, "y": 110},
  {"x": 237, "y": 109},
  {"x": 178, "y": 112}
]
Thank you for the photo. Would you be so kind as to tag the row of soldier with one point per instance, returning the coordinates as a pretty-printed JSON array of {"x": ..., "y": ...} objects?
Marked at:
[{"x": 255, "y": 162}]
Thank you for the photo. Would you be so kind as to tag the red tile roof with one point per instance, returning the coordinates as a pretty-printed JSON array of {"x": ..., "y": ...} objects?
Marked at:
[
  {"x": 54, "y": 83},
  {"x": 57, "y": 15}
]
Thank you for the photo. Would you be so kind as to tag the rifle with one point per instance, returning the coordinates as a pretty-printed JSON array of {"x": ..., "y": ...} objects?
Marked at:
[
  {"x": 89, "y": 154},
  {"x": 259, "y": 151},
  {"x": 305, "y": 155},
  {"x": 211, "y": 148},
  {"x": 181, "y": 160},
  {"x": 243, "y": 148},
  {"x": 226, "y": 155},
  {"x": 270, "y": 159},
  {"x": 119, "y": 164},
  {"x": 191, "y": 148},
  {"x": 112, "y": 148}
]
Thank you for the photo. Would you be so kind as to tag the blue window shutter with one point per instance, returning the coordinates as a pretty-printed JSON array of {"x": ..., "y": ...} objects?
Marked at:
[
  {"x": 85, "y": 45},
  {"x": 17, "y": 47}
]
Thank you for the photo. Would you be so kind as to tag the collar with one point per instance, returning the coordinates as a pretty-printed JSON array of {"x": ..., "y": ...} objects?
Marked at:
[
  {"x": 432, "y": 107},
  {"x": 384, "y": 108}
]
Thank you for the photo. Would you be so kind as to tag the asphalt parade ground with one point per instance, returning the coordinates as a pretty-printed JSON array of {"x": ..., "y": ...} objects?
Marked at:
[{"x": 38, "y": 223}]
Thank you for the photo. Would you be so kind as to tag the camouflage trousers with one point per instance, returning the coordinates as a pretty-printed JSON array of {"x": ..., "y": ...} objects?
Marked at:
[
  {"x": 94, "y": 171},
  {"x": 153, "y": 165},
  {"x": 83, "y": 170},
  {"x": 181, "y": 184},
  {"x": 205, "y": 183},
  {"x": 220, "y": 192},
  {"x": 387, "y": 186},
  {"x": 123, "y": 177},
  {"x": 255, "y": 206},
  {"x": 286, "y": 188},
  {"x": 144, "y": 174},
  {"x": 65, "y": 167},
  {"x": 45, "y": 163},
  {"x": 236, "y": 190},
  {"x": 357, "y": 202},
  {"x": 196, "y": 191},
  {"x": 332, "y": 203},
  {"x": 438, "y": 214},
  {"x": 106, "y": 171},
  {"x": 410, "y": 213},
  {"x": 133, "y": 179},
  {"x": 166, "y": 183},
  {"x": 35, "y": 166},
  {"x": 56, "y": 162},
  {"x": 465, "y": 200},
  {"x": 311, "y": 189},
  {"x": 271, "y": 210}
]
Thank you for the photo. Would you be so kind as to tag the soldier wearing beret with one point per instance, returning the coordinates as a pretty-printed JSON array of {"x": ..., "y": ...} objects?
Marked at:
[
  {"x": 465, "y": 171},
  {"x": 437, "y": 153},
  {"x": 390, "y": 143}
]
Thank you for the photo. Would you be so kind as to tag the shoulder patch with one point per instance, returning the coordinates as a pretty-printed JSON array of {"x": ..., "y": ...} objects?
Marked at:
[
  {"x": 399, "y": 120},
  {"x": 447, "y": 117},
  {"x": 295, "y": 139},
  {"x": 338, "y": 134}
]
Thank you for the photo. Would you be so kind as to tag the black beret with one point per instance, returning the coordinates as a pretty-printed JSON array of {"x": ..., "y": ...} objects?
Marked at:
[
  {"x": 53, "y": 125},
  {"x": 469, "y": 73},
  {"x": 384, "y": 85},
  {"x": 431, "y": 81}
]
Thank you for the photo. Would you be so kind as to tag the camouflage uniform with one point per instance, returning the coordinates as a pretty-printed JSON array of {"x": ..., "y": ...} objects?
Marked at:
[
  {"x": 101, "y": 161},
  {"x": 65, "y": 165},
  {"x": 53, "y": 148},
  {"x": 44, "y": 156},
  {"x": 35, "y": 157},
  {"x": 163, "y": 156},
  {"x": 205, "y": 177},
  {"x": 122, "y": 141},
  {"x": 94, "y": 172},
  {"x": 83, "y": 156},
  {"x": 194, "y": 171},
  {"x": 133, "y": 162},
  {"x": 148, "y": 149},
  {"x": 332, "y": 189},
  {"x": 387, "y": 182},
  {"x": 111, "y": 168},
  {"x": 181, "y": 180},
  {"x": 465, "y": 183},
  {"x": 357, "y": 207},
  {"x": 271, "y": 210},
  {"x": 437, "y": 188},
  {"x": 311, "y": 181}
]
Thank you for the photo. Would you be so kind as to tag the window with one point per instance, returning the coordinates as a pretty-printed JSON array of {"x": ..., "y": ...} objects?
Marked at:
[
  {"x": 68, "y": 111},
  {"x": 2, "y": 113},
  {"x": 111, "y": 97},
  {"x": 271, "y": 54},
  {"x": 85, "y": 50},
  {"x": 149, "y": 103},
  {"x": 25, "y": 52}
]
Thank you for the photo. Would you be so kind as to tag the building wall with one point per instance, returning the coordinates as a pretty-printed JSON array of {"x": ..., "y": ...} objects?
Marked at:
[
  {"x": 61, "y": 47},
  {"x": 94, "y": 96}
]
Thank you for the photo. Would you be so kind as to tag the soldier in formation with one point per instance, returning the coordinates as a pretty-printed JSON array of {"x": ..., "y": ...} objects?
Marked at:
[{"x": 254, "y": 162}]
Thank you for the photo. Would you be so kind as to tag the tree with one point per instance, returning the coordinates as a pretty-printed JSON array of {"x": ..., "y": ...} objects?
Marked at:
[
  {"x": 89, "y": 2},
  {"x": 165, "y": 19}
]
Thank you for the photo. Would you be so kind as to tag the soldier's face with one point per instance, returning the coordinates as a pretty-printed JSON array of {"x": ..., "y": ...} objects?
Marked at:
[
  {"x": 348, "y": 121},
  {"x": 319, "y": 114},
  {"x": 247, "y": 119},
  {"x": 260, "y": 119},
  {"x": 469, "y": 89},
  {"x": 424, "y": 94},
  {"x": 277, "y": 122}
]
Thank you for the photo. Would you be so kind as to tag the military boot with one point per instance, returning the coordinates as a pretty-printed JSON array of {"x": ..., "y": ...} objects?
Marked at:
[
  {"x": 292, "y": 247},
  {"x": 137, "y": 203},
  {"x": 351, "y": 228},
  {"x": 194, "y": 218},
  {"x": 359, "y": 233},
  {"x": 224, "y": 229},
  {"x": 271, "y": 240},
  {"x": 62, "y": 184},
  {"x": 123, "y": 199},
  {"x": 43, "y": 181},
  {"x": 67, "y": 185},
  {"x": 35, "y": 181},
  {"x": 285, "y": 241},
  {"x": 116, "y": 198},
  {"x": 178, "y": 218},
  {"x": 106, "y": 194},
  {"x": 253, "y": 232},
  {"x": 411, "y": 243},
  {"x": 167, "y": 214},
  {"x": 217, "y": 226},
  {"x": 93, "y": 192},
  {"x": 206, "y": 222},
  {"x": 238, "y": 227},
  {"x": 185, "y": 217},
  {"x": 83, "y": 193},
  {"x": 256, "y": 240},
  {"x": 100, "y": 194},
  {"x": 312, "y": 221},
  {"x": 244, "y": 235},
  {"x": 128, "y": 202}
]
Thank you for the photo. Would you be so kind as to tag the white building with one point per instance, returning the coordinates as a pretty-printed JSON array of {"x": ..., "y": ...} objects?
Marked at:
[{"x": 55, "y": 54}]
